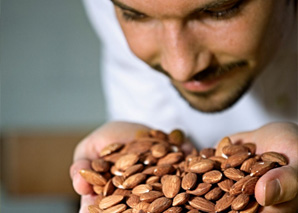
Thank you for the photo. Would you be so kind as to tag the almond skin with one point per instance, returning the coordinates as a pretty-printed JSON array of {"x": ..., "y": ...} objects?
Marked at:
[
  {"x": 234, "y": 174},
  {"x": 274, "y": 157},
  {"x": 126, "y": 161},
  {"x": 212, "y": 177},
  {"x": 226, "y": 185},
  {"x": 159, "y": 205},
  {"x": 202, "y": 204},
  {"x": 100, "y": 165},
  {"x": 176, "y": 137},
  {"x": 202, "y": 166},
  {"x": 110, "y": 149},
  {"x": 134, "y": 180},
  {"x": 93, "y": 177},
  {"x": 240, "y": 202},
  {"x": 115, "y": 209},
  {"x": 224, "y": 203},
  {"x": 141, "y": 189},
  {"x": 201, "y": 189},
  {"x": 235, "y": 160},
  {"x": 214, "y": 194},
  {"x": 189, "y": 181},
  {"x": 260, "y": 168},
  {"x": 170, "y": 185},
  {"x": 110, "y": 201},
  {"x": 151, "y": 196},
  {"x": 226, "y": 141},
  {"x": 159, "y": 150},
  {"x": 180, "y": 199}
]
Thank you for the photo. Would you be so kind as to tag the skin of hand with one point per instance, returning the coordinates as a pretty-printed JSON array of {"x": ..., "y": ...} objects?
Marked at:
[
  {"x": 277, "y": 190},
  {"x": 88, "y": 150}
]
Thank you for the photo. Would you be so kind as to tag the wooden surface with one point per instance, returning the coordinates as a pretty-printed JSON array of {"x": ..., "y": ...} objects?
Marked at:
[{"x": 37, "y": 163}]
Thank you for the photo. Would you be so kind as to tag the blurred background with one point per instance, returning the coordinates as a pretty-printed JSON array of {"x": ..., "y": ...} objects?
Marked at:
[{"x": 51, "y": 98}]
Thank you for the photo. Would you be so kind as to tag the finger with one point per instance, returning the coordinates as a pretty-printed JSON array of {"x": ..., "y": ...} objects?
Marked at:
[
  {"x": 86, "y": 200},
  {"x": 288, "y": 207},
  {"x": 78, "y": 182},
  {"x": 277, "y": 186}
]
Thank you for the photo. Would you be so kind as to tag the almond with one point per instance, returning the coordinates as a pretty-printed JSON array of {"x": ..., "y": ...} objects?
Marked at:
[
  {"x": 133, "y": 200},
  {"x": 115, "y": 209},
  {"x": 159, "y": 150},
  {"x": 110, "y": 149},
  {"x": 214, "y": 194},
  {"x": 98, "y": 189},
  {"x": 152, "y": 179},
  {"x": 141, "y": 189},
  {"x": 118, "y": 181},
  {"x": 122, "y": 192},
  {"x": 233, "y": 149},
  {"x": 163, "y": 169},
  {"x": 240, "y": 202},
  {"x": 158, "y": 134},
  {"x": 141, "y": 207},
  {"x": 171, "y": 158},
  {"x": 159, "y": 205},
  {"x": 174, "y": 210},
  {"x": 223, "y": 142},
  {"x": 249, "y": 186},
  {"x": 207, "y": 152},
  {"x": 252, "y": 207},
  {"x": 133, "y": 169},
  {"x": 202, "y": 166},
  {"x": 100, "y": 165},
  {"x": 201, "y": 189},
  {"x": 235, "y": 160},
  {"x": 94, "y": 209},
  {"x": 134, "y": 180},
  {"x": 237, "y": 187},
  {"x": 126, "y": 161},
  {"x": 170, "y": 185},
  {"x": 180, "y": 199},
  {"x": 226, "y": 185},
  {"x": 110, "y": 201},
  {"x": 247, "y": 165},
  {"x": 189, "y": 181},
  {"x": 234, "y": 174},
  {"x": 260, "y": 168},
  {"x": 251, "y": 147},
  {"x": 109, "y": 188},
  {"x": 274, "y": 157},
  {"x": 176, "y": 137},
  {"x": 202, "y": 204},
  {"x": 213, "y": 176},
  {"x": 93, "y": 177},
  {"x": 224, "y": 202},
  {"x": 150, "y": 196}
]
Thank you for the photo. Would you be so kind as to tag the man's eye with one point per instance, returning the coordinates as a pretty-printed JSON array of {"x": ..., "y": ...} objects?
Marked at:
[
  {"x": 131, "y": 16},
  {"x": 224, "y": 13}
]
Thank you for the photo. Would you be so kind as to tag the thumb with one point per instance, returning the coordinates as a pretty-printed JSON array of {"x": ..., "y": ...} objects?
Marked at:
[{"x": 277, "y": 186}]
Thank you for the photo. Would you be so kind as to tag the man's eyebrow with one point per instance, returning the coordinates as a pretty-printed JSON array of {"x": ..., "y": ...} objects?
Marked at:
[
  {"x": 214, "y": 4},
  {"x": 125, "y": 7}
]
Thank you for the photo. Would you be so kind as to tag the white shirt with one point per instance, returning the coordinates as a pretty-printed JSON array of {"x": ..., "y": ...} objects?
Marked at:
[{"x": 134, "y": 92}]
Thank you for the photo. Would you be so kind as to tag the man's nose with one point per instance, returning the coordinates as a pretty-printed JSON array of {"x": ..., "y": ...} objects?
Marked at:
[{"x": 181, "y": 53}]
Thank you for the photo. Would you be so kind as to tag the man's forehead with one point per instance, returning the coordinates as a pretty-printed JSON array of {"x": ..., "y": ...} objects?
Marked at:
[{"x": 171, "y": 7}]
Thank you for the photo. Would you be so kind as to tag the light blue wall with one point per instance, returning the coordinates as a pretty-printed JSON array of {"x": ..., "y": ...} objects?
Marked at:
[{"x": 49, "y": 61}]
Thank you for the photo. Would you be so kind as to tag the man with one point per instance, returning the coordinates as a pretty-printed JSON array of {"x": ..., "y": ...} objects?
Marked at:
[{"x": 233, "y": 62}]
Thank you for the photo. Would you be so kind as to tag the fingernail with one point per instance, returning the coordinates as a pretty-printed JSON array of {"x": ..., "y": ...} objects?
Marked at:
[{"x": 272, "y": 192}]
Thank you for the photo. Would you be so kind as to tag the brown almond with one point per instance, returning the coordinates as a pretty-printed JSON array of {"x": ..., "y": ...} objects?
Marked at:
[
  {"x": 133, "y": 200},
  {"x": 171, "y": 158},
  {"x": 134, "y": 180},
  {"x": 118, "y": 181},
  {"x": 93, "y": 177},
  {"x": 98, "y": 189},
  {"x": 237, "y": 187},
  {"x": 218, "y": 159},
  {"x": 109, "y": 201},
  {"x": 115, "y": 209},
  {"x": 122, "y": 192},
  {"x": 159, "y": 205},
  {"x": 252, "y": 207},
  {"x": 109, "y": 149},
  {"x": 141, "y": 189},
  {"x": 251, "y": 147},
  {"x": 224, "y": 202},
  {"x": 260, "y": 168},
  {"x": 174, "y": 209},
  {"x": 274, "y": 157},
  {"x": 158, "y": 134},
  {"x": 202, "y": 204},
  {"x": 214, "y": 194},
  {"x": 249, "y": 186},
  {"x": 235, "y": 160},
  {"x": 139, "y": 146},
  {"x": 233, "y": 149},
  {"x": 223, "y": 142},
  {"x": 170, "y": 185},
  {"x": 234, "y": 174},
  {"x": 156, "y": 186},
  {"x": 128, "y": 211},
  {"x": 163, "y": 169},
  {"x": 115, "y": 171},
  {"x": 100, "y": 165},
  {"x": 126, "y": 161},
  {"x": 141, "y": 207},
  {"x": 240, "y": 202},
  {"x": 133, "y": 169},
  {"x": 247, "y": 165},
  {"x": 207, "y": 152},
  {"x": 152, "y": 179},
  {"x": 176, "y": 137},
  {"x": 109, "y": 188},
  {"x": 113, "y": 157},
  {"x": 150, "y": 196},
  {"x": 202, "y": 166},
  {"x": 226, "y": 185},
  {"x": 94, "y": 209},
  {"x": 180, "y": 199},
  {"x": 189, "y": 181},
  {"x": 159, "y": 150},
  {"x": 142, "y": 133},
  {"x": 98, "y": 198},
  {"x": 201, "y": 189},
  {"x": 212, "y": 177},
  {"x": 193, "y": 211},
  {"x": 149, "y": 170}
]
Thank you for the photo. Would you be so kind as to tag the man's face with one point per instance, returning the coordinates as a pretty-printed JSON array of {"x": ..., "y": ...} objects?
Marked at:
[{"x": 212, "y": 50}]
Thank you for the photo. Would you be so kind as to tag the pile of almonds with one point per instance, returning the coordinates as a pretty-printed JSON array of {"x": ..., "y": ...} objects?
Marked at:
[{"x": 152, "y": 174}]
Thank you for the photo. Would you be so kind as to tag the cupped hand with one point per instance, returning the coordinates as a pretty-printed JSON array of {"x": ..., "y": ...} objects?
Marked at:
[
  {"x": 90, "y": 147},
  {"x": 277, "y": 190}
]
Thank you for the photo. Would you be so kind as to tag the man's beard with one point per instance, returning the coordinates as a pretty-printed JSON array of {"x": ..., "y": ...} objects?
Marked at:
[{"x": 205, "y": 97}]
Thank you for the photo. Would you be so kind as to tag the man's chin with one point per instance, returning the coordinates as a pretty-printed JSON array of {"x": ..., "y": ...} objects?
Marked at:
[{"x": 209, "y": 103}]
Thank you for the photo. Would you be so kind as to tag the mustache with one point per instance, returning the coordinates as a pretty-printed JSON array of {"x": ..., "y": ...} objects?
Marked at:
[{"x": 210, "y": 72}]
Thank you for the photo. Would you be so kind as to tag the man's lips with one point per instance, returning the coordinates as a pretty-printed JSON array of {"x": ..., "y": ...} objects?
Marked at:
[{"x": 200, "y": 86}]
